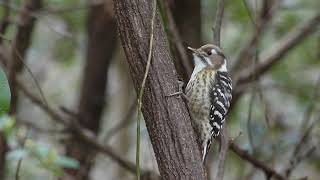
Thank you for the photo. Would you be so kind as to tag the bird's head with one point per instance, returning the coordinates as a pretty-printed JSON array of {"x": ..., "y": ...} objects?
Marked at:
[{"x": 209, "y": 56}]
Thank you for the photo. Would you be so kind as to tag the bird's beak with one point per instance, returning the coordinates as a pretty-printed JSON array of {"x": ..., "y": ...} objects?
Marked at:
[
  {"x": 198, "y": 54},
  {"x": 193, "y": 50}
]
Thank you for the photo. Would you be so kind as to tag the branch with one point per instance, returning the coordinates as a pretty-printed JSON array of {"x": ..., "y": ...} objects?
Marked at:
[
  {"x": 247, "y": 51},
  {"x": 279, "y": 50},
  {"x": 218, "y": 23},
  {"x": 295, "y": 158},
  {"x": 256, "y": 163},
  {"x": 272, "y": 56},
  {"x": 83, "y": 134}
]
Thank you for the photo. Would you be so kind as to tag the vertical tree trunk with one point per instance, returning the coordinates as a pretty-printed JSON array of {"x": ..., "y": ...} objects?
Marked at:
[
  {"x": 20, "y": 44},
  {"x": 167, "y": 118},
  {"x": 187, "y": 20},
  {"x": 101, "y": 46},
  {"x": 187, "y": 14},
  {"x": 3, "y": 150}
]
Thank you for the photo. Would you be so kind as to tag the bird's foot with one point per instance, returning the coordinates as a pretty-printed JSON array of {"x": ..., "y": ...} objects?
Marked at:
[{"x": 180, "y": 92}]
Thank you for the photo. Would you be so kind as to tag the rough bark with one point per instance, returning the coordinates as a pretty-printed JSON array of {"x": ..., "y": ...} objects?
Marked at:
[
  {"x": 167, "y": 118},
  {"x": 101, "y": 45}
]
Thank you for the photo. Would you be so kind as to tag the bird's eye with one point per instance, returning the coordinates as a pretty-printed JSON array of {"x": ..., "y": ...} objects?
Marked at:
[{"x": 209, "y": 53}]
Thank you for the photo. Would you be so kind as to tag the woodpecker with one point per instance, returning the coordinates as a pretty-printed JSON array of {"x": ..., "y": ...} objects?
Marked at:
[{"x": 208, "y": 93}]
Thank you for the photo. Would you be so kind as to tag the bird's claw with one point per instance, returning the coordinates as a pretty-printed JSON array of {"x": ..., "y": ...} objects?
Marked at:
[{"x": 180, "y": 93}]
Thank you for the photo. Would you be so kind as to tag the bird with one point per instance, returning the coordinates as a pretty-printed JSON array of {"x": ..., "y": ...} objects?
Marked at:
[{"x": 208, "y": 94}]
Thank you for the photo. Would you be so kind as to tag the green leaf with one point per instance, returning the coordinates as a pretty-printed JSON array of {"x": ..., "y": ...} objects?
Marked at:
[
  {"x": 67, "y": 162},
  {"x": 4, "y": 93}
]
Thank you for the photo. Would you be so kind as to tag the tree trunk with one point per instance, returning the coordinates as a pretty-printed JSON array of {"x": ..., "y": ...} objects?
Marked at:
[
  {"x": 187, "y": 14},
  {"x": 101, "y": 46},
  {"x": 167, "y": 118},
  {"x": 3, "y": 150}
]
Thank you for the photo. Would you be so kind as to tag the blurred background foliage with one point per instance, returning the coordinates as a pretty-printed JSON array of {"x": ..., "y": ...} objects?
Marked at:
[{"x": 56, "y": 57}]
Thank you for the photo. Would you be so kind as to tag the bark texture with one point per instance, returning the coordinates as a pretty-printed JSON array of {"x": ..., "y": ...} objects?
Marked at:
[
  {"x": 101, "y": 45},
  {"x": 167, "y": 118}
]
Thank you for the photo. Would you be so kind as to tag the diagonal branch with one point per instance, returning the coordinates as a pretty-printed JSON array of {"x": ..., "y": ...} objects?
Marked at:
[
  {"x": 83, "y": 134},
  {"x": 247, "y": 51},
  {"x": 255, "y": 162},
  {"x": 279, "y": 50}
]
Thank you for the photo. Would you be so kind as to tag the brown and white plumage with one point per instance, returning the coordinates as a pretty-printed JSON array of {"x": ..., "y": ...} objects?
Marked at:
[{"x": 209, "y": 94}]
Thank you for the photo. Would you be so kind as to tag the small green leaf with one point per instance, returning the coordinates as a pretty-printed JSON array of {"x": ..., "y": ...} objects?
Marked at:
[
  {"x": 52, "y": 156},
  {"x": 67, "y": 162},
  {"x": 5, "y": 94}
]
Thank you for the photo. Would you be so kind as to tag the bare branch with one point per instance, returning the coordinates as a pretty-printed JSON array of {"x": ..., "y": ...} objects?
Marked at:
[
  {"x": 295, "y": 157},
  {"x": 218, "y": 23},
  {"x": 279, "y": 50},
  {"x": 255, "y": 162},
  {"x": 85, "y": 135},
  {"x": 247, "y": 51}
]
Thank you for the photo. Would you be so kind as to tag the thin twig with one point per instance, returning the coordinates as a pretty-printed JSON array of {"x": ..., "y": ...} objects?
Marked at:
[
  {"x": 17, "y": 174},
  {"x": 294, "y": 159},
  {"x": 218, "y": 22},
  {"x": 142, "y": 89},
  {"x": 249, "y": 121}
]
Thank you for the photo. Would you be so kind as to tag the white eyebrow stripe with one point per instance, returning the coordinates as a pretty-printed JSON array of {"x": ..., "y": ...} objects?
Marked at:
[{"x": 213, "y": 51}]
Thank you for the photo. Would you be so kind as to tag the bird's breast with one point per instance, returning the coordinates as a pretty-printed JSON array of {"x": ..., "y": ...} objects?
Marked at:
[{"x": 198, "y": 93}]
